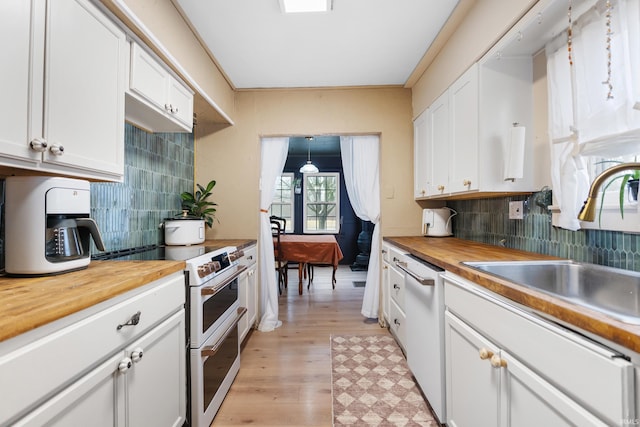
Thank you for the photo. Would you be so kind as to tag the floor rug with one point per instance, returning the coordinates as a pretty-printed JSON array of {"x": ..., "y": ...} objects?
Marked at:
[{"x": 372, "y": 384}]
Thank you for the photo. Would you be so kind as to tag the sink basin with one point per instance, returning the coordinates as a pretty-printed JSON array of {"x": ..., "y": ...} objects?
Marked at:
[{"x": 611, "y": 291}]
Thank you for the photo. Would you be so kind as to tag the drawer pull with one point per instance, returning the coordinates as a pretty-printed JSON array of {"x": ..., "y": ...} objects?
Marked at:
[
  {"x": 396, "y": 322},
  {"x": 498, "y": 362},
  {"x": 134, "y": 320},
  {"x": 422, "y": 280},
  {"x": 485, "y": 354}
]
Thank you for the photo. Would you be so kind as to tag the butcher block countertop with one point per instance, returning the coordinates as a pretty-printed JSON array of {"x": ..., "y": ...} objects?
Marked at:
[
  {"x": 450, "y": 252},
  {"x": 27, "y": 303}
]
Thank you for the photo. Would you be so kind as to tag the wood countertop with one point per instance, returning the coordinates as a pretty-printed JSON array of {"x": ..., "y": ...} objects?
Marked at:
[
  {"x": 449, "y": 252},
  {"x": 27, "y": 303},
  {"x": 238, "y": 243}
]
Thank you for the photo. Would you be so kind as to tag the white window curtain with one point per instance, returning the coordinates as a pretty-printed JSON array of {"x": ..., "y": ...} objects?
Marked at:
[
  {"x": 360, "y": 163},
  {"x": 582, "y": 120},
  {"x": 273, "y": 157}
]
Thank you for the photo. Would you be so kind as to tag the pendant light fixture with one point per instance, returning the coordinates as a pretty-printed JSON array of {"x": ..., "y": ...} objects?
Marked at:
[{"x": 309, "y": 167}]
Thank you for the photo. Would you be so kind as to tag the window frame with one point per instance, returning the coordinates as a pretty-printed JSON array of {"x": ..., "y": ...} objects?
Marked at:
[
  {"x": 291, "y": 220},
  {"x": 306, "y": 202}
]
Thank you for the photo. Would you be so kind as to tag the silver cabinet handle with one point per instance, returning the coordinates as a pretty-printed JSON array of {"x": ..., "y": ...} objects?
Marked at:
[
  {"x": 133, "y": 320},
  {"x": 422, "y": 280}
]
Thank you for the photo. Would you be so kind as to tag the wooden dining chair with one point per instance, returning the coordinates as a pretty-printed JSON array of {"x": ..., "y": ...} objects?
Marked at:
[{"x": 277, "y": 229}]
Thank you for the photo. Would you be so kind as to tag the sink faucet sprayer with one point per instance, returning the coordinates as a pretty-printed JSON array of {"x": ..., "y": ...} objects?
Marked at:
[{"x": 588, "y": 211}]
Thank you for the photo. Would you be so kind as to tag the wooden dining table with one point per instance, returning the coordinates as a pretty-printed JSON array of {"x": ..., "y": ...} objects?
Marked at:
[{"x": 308, "y": 249}]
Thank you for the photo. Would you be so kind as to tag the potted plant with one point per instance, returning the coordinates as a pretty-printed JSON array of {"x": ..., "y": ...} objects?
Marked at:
[
  {"x": 198, "y": 205},
  {"x": 629, "y": 183}
]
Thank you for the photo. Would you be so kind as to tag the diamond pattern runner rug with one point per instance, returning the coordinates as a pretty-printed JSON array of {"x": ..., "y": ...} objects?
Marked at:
[{"x": 372, "y": 384}]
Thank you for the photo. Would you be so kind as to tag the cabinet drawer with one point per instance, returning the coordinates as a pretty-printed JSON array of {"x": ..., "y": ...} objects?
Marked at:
[
  {"x": 250, "y": 255},
  {"x": 34, "y": 371},
  {"x": 593, "y": 375},
  {"x": 396, "y": 285},
  {"x": 398, "y": 323}
]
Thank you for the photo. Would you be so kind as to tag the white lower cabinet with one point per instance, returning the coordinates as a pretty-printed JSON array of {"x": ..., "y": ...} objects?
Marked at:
[
  {"x": 91, "y": 372},
  {"x": 394, "y": 294},
  {"x": 248, "y": 292},
  {"x": 132, "y": 388},
  {"x": 507, "y": 367}
]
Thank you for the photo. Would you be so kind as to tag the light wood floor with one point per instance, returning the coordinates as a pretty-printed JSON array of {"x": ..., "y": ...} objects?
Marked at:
[{"x": 285, "y": 375}]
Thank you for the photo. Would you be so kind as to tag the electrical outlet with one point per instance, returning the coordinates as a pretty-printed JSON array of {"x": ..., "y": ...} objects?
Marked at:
[{"x": 516, "y": 210}]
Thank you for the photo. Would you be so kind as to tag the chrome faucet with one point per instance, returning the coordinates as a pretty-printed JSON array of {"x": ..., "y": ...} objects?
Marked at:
[{"x": 588, "y": 211}]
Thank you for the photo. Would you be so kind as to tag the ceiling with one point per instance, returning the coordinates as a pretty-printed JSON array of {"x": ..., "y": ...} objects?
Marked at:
[
  {"x": 357, "y": 43},
  {"x": 324, "y": 145}
]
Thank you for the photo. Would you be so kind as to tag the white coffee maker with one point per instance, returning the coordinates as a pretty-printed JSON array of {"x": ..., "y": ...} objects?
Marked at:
[{"x": 47, "y": 225}]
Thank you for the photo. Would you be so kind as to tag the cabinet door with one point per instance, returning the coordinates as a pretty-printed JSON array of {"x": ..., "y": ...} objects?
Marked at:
[
  {"x": 463, "y": 172},
  {"x": 439, "y": 133},
  {"x": 17, "y": 29},
  {"x": 386, "y": 271},
  {"x": 243, "y": 300},
  {"x": 528, "y": 400},
  {"x": 97, "y": 396},
  {"x": 421, "y": 157},
  {"x": 181, "y": 102},
  {"x": 148, "y": 78},
  {"x": 85, "y": 68},
  {"x": 252, "y": 300},
  {"x": 473, "y": 385},
  {"x": 156, "y": 383}
]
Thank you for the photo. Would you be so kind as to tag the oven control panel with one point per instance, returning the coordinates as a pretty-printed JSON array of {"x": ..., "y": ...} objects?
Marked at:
[{"x": 205, "y": 267}]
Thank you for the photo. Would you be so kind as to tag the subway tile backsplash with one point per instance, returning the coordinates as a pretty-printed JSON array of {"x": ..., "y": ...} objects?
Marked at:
[
  {"x": 487, "y": 221},
  {"x": 158, "y": 168}
]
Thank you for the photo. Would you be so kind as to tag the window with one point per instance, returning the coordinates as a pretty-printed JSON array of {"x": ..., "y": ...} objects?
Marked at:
[
  {"x": 282, "y": 204},
  {"x": 321, "y": 210}
]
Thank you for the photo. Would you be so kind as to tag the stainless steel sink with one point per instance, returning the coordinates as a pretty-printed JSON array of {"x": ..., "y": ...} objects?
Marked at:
[{"x": 612, "y": 291}]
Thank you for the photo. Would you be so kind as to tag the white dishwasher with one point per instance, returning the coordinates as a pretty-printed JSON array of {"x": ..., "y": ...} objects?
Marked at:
[{"x": 424, "y": 309}]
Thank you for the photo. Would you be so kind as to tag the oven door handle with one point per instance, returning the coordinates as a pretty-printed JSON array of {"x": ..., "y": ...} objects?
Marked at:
[
  {"x": 212, "y": 290},
  {"x": 212, "y": 350}
]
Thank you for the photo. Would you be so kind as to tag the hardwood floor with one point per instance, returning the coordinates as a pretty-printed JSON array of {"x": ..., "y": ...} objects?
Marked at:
[{"x": 285, "y": 375}]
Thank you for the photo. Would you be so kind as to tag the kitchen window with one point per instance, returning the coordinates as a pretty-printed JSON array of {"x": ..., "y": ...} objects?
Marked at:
[
  {"x": 321, "y": 211},
  {"x": 282, "y": 205}
]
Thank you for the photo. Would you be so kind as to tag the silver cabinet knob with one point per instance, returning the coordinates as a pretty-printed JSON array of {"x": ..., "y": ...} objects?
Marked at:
[
  {"x": 136, "y": 355},
  {"x": 38, "y": 144},
  {"x": 124, "y": 365},
  {"x": 57, "y": 149}
]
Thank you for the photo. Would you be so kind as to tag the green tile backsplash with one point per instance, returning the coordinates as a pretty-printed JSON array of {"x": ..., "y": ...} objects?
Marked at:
[
  {"x": 158, "y": 167},
  {"x": 487, "y": 221}
]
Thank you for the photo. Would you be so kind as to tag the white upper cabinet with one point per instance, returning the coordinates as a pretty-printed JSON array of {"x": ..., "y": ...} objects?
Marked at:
[
  {"x": 420, "y": 154},
  {"x": 64, "y": 106},
  {"x": 156, "y": 100},
  {"x": 440, "y": 131},
  {"x": 463, "y": 151},
  {"x": 15, "y": 36}
]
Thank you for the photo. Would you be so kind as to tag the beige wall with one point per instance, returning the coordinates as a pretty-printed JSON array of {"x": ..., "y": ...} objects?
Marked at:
[
  {"x": 485, "y": 23},
  {"x": 232, "y": 155}
]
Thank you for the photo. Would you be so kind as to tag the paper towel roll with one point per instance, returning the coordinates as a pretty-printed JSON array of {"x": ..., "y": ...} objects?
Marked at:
[{"x": 514, "y": 156}]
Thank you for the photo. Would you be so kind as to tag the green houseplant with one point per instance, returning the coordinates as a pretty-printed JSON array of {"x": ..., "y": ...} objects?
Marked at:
[
  {"x": 198, "y": 205},
  {"x": 628, "y": 180}
]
